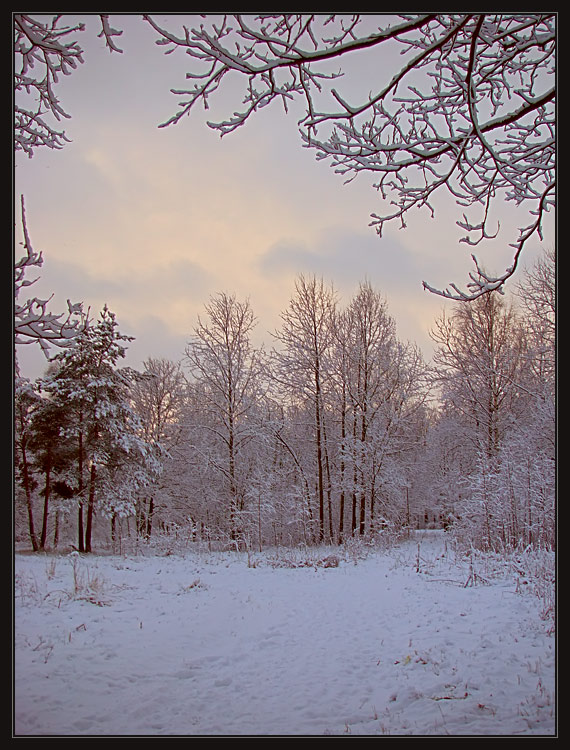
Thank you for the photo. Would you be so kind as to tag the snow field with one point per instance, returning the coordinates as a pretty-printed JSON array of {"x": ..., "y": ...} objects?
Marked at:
[{"x": 205, "y": 645}]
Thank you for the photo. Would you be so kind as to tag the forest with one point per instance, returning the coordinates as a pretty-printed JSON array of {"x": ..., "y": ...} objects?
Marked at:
[
  {"x": 336, "y": 431},
  {"x": 308, "y": 525}
]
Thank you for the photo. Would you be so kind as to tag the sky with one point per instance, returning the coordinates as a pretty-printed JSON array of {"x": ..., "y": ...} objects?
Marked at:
[{"x": 154, "y": 221}]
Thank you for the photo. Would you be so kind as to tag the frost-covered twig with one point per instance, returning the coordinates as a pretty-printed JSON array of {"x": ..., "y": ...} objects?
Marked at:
[
  {"x": 33, "y": 322},
  {"x": 43, "y": 52},
  {"x": 470, "y": 109}
]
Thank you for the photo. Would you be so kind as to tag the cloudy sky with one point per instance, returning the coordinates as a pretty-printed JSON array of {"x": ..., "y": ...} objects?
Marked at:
[{"x": 153, "y": 221}]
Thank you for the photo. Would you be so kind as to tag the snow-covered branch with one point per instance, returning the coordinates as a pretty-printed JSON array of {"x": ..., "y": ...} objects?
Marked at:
[
  {"x": 471, "y": 107},
  {"x": 33, "y": 322},
  {"x": 43, "y": 52}
]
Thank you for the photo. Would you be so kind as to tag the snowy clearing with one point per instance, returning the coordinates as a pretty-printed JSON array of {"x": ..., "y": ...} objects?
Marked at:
[{"x": 202, "y": 644}]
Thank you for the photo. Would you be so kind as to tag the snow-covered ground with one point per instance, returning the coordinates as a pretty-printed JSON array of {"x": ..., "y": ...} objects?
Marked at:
[{"x": 205, "y": 645}]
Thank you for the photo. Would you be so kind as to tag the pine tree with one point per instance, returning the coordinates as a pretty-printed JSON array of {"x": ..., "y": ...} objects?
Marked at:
[
  {"x": 112, "y": 459},
  {"x": 25, "y": 402},
  {"x": 51, "y": 453}
]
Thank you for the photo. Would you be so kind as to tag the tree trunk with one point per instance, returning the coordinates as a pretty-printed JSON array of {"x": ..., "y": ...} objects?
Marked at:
[
  {"x": 113, "y": 530},
  {"x": 362, "y": 520},
  {"x": 363, "y": 471},
  {"x": 329, "y": 482},
  {"x": 372, "y": 501},
  {"x": 80, "y": 534},
  {"x": 341, "y": 518},
  {"x": 320, "y": 482},
  {"x": 342, "y": 445},
  {"x": 140, "y": 517},
  {"x": 529, "y": 502},
  {"x": 232, "y": 467},
  {"x": 28, "y": 491},
  {"x": 259, "y": 520},
  {"x": 90, "y": 507},
  {"x": 56, "y": 530},
  {"x": 80, "y": 530},
  {"x": 149, "y": 517},
  {"x": 354, "y": 475},
  {"x": 46, "y": 505}
]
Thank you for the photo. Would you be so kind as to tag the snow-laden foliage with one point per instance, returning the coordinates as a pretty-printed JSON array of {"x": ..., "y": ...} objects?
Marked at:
[
  {"x": 112, "y": 459},
  {"x": 427, "y": 102}
]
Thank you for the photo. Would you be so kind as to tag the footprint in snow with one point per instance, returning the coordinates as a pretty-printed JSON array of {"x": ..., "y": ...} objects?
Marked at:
[{"x": 223, "y": 682}]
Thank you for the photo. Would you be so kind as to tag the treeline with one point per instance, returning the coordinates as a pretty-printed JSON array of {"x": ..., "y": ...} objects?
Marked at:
[{"x": 338, "y": 430}]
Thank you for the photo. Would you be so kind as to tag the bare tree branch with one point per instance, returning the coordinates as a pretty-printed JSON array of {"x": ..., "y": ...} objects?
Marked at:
[
  {"x": 41, "y": 55},
  {"x": 471, "y": 108},
  {"x": 33, "y": 322}
]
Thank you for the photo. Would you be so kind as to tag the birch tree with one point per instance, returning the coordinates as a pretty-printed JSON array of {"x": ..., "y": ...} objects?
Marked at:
[
  {"x": 224, "y": 365},
  {"x": 479, "y": 358},
  {"x": 158, "y": 398},
  {"x": 305, "y": 340},
  {"x": 370, "y": 351}
]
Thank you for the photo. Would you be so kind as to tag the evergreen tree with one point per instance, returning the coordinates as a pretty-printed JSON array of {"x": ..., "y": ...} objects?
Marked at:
[
  {"x": 52, "y": 455},
  {"x": 25, "y": 402},
  {"x": 112, "y": 459}
]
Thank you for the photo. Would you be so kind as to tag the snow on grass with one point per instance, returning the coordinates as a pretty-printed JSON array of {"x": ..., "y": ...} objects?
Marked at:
[{"x": 203, "y": 644}]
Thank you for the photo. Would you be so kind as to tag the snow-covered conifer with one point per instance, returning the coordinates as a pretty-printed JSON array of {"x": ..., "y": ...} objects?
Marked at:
[{"x": 112, "y": 458}]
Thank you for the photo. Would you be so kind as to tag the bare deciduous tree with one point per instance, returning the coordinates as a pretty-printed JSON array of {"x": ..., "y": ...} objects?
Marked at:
[
  {"x": 158, "y": 398},
  {"x": 385, "y": 385},
  {"x": 224, "y": 363},
  {"x": 305, "y": 339},
  {"x": 479, "y": 358},
  {"x": 537, "y": 295}
]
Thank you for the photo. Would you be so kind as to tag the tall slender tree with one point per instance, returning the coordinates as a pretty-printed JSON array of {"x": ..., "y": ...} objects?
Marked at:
[
  {"x": 25, "y": 402},
  {"x": 158, "y": 398},
  {"x": 371, "y": 352},
  {"x": 224, "y": 367},
  {"x": 479, "y": 357},
  {"x": 302, "y": 367}
]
